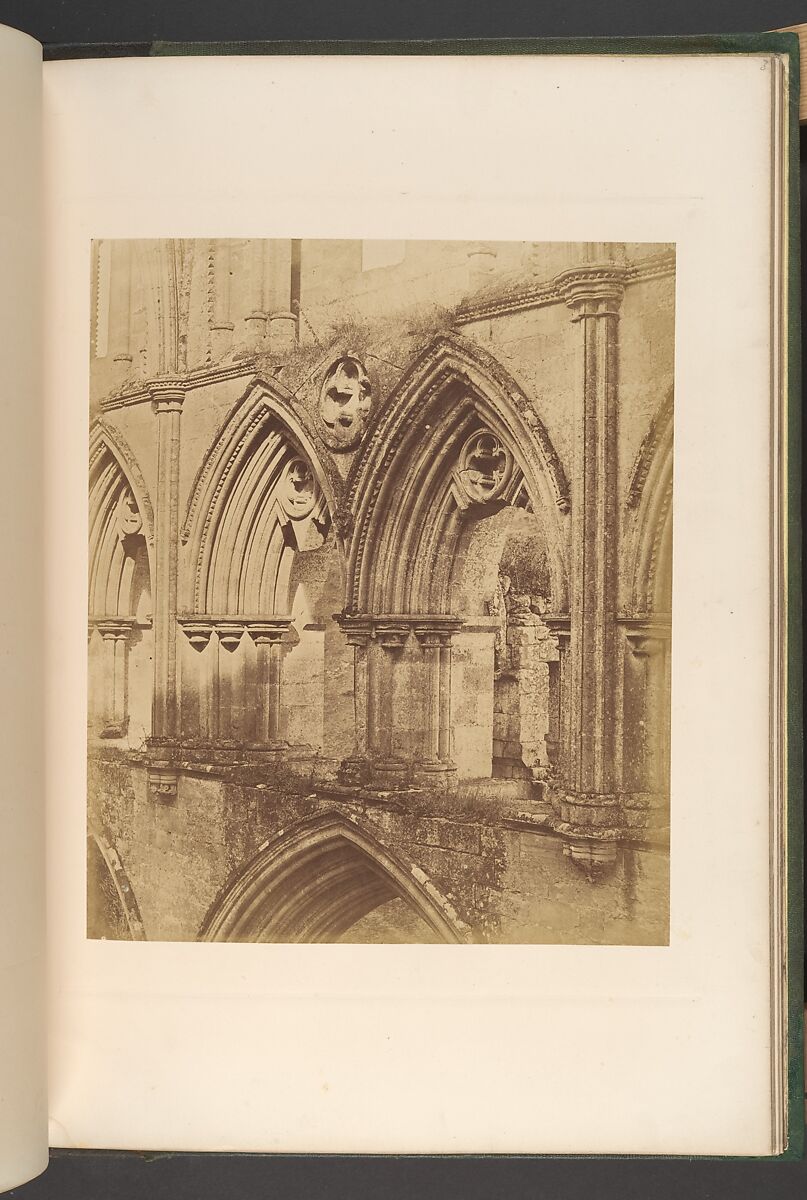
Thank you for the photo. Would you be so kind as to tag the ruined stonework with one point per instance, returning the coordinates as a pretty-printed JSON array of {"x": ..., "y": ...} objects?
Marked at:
[{"x": 380, "y": 591}]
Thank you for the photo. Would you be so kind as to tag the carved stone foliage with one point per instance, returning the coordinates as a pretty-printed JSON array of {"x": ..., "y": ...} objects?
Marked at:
[
  {"x": 484, "y": 467},
  {"x": 344, "y": 403}
]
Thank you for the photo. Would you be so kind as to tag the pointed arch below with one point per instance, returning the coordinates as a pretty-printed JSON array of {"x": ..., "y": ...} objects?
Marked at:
[
  {"x": 649, "y": 516},
  {"x": 233, "y": 520},
  {"x": 119, "y": 888},
  {"x": 400, "y": 488},
  {"x": 317, "y": 879}
]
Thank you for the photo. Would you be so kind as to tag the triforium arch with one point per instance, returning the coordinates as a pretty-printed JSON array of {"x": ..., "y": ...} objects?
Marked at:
[
  {"x": 456, "y": 456},
  {"x": 261, "y": 558},
  {"x": 114, "y": 912},
  {"x": 119, "y": 588},
  {"x": 316, "y": 880},
  {"x": 455, "y": 415},
  {"x": 649, "y": 517},
  {"x": 648, "y": 624}
]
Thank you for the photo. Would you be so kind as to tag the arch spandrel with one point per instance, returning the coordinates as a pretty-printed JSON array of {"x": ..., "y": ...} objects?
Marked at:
[{"x": 402, "y": 480}]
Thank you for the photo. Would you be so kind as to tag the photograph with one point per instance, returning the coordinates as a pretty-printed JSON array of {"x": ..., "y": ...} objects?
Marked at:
[{"x": 380, "y": 591}]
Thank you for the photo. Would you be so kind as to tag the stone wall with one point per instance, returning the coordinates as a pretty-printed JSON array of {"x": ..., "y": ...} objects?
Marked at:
[{"x": 508, "y": 882}]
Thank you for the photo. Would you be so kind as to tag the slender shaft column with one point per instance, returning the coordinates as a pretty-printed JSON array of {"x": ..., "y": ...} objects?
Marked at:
[
  {"x": 274, "y": 691},
  {"x": 282, "y": 321},
  {"x": 120, "y": 307},
  {"x": 116, "y": 632},
  {"x": 590, "y": 815},
  {"x": 558, "y": 743},
  {"x": 221, "y": 324},
  {"x": 392, "y": 641},
  {"x": 256, "y": 315},
  {"x": 167, "y": 402},
  {"x": 230, "y": 633},
  {"x": 430, "y": 642},
  {"x": 199, "y": 634},
  {"x": 374, "y": 707},
  {"x": 444, "y": 736},
  {"x": 268, "y": 638},
  {"x": 649, "y": 651},
  {"x": 359, "y": 639}
]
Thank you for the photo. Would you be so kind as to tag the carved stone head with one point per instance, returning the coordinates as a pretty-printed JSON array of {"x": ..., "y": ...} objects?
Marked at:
[{"x": 344, "y": 403}]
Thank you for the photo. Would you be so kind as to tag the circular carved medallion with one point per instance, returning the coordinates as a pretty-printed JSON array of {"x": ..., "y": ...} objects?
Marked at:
[
  {"x": 484, "y": 467},
  {"x": 344, "y": 403}
]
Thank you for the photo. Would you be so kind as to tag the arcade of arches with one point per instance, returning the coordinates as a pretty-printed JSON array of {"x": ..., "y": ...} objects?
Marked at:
[{"x": 380, "y": 591}]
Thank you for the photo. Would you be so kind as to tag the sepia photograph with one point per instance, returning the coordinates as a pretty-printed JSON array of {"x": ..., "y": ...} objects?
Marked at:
[{"x": 380, "y": 591}]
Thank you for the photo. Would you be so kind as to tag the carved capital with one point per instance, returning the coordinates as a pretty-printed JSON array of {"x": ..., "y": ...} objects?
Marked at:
[
  {"x": 230, "y": 634},
  {"x": 198, "y": 632},
  {"x": 115, "y": 628},
  {"x": 646, "y": 638},
  {"x": 269, "y": 631},
  {"x": 166, "y": 396},
  {"x": 593, "y": 290},
  {"x": 437, "y": 630},
  {"x": 391, "y": 636}
]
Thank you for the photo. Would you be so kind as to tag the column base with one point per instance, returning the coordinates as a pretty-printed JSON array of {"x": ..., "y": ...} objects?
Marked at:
[
  {"x": 435, "y": 774},
  {"x": 392, "y": 773}
]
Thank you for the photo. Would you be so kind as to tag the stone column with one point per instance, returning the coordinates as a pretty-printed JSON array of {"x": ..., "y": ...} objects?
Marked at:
[
  {"x": 434, "y": 633},
  {"x": 445, "y": 701},
  {"x": 282, "y": 321},
  {"x": 431, "y": 643},
  {"x": 649, "y": 649},
  {"x": 359, "y": 637},
  {"x": 590, "y": 817},
  {"x": 116, "y": 632},
  {"x": 268, "y": 636},
  {"x": 256, "y": 318},
  {"x": 221, "y": 324},
  {"x": 199, "y": 633},
  {"x": 167, "y": 403},
  {"x": 391, "y": 638},
  {"x": 229, "y": 632},
  {"x": 557, "y": 742},
  {"x": 120, "y": 308}
]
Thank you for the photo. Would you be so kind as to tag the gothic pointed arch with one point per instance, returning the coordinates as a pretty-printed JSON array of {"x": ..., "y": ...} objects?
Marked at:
[
  {"x": 120, "y": 526},
  {"x": 457, "y": 438},
  {"x": 113, "y": 911},
  {"x": 259, "y": 493},
  {"x": 317, "y": 879},
  {"x": 649, "y": 516}
]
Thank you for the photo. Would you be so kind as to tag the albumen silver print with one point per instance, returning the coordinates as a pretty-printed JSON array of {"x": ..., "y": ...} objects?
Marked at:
[{"x": 380, "y": 591}]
